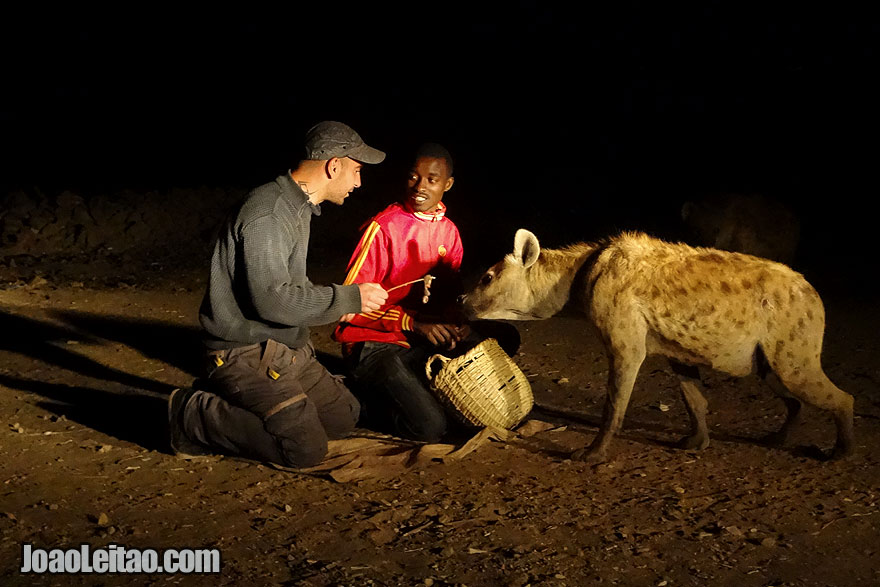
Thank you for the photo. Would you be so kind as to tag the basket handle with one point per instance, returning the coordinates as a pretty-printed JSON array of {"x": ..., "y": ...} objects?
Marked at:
[{"x": 433, "y": 358}]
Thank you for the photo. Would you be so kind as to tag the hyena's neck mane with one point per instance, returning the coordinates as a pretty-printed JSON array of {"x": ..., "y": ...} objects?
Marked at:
[{"x": 556, "y": 270}]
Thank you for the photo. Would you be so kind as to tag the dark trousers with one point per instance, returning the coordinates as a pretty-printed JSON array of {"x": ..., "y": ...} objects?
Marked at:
[
  {"x": 270, "y": 403},
  {"x": 390, "y": 381}
]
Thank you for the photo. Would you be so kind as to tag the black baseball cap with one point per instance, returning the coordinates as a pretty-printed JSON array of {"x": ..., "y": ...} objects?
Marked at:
[{"x": 330, "y": 139}]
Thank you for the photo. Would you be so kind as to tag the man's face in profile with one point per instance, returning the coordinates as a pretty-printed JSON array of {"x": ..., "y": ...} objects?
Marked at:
[{"x": 348, "y": 179}]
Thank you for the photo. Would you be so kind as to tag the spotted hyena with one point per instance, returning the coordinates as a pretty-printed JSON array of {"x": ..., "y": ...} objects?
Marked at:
[{"x": 696, "y": 306}]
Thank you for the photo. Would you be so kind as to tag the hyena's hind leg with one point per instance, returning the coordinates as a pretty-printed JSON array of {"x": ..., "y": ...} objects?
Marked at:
[
  {"x": 792, "y": 404},
  {"x": 696, "y": 405},
  {"x": 806, "y": 380}
]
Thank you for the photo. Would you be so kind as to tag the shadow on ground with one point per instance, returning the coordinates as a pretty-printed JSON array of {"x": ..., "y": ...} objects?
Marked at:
[
  {"x": 137, "y": 411},
  {"x": 51, "y": 344},
  {"x": 136, "y": 417},
  {"x": 178, "y": 346},
  {"x": 649, "y": 433}
]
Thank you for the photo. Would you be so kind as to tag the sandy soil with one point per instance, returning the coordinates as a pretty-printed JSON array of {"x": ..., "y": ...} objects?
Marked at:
[{"x": 91, "y": 348}]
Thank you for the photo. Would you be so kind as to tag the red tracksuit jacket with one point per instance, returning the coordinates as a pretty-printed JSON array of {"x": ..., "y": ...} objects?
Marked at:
[{"x": 398, "y": 246}]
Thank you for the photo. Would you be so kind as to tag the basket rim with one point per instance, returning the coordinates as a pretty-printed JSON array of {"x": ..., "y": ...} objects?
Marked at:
[{"x": 484, "y": 399}]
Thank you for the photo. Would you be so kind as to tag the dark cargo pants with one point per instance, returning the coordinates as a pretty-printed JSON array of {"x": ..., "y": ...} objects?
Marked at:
[{"x": 270, "y": 403}]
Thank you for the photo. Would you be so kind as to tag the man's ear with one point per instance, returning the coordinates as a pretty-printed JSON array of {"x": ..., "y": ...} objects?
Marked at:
[
  {"x": 449, "y": 183},
  {"x": 333, "y": 167}
]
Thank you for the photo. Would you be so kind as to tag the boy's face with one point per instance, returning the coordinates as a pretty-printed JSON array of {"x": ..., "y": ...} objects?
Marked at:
[{"x": 428, "y": 180}]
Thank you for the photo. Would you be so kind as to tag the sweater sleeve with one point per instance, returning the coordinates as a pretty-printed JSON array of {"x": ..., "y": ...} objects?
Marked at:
[
  {"x": 371, "y": 262},
  {"x": 275, "y": 294}
]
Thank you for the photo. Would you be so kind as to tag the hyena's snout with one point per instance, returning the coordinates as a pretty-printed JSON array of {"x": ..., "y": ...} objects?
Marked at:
[{"x": 465, "y": 304}]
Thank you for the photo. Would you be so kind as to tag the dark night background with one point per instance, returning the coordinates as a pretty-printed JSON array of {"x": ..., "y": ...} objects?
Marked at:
[{"x": 576, "y": 124}]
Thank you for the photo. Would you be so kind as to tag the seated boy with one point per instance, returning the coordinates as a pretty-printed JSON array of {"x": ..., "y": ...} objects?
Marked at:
[{"x": 386, "y": 350}]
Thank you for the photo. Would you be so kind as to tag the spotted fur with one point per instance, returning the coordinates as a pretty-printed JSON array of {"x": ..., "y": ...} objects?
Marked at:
[{"x": 696, "y": 306}]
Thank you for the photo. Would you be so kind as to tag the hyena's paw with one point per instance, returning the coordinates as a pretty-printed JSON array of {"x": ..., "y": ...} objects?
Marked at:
[
  {"x": 842, "y": 451},
  {"x": 589, "y": 456},
  {"x": 693, "y": 442}
]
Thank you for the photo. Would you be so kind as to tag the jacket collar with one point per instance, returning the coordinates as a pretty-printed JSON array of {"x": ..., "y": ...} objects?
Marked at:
[
  {"x": 295, "y": 195},
  {"x": 434, "y": 216}
]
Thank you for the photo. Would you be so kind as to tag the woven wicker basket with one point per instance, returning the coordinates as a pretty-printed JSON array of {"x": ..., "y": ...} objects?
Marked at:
[{"x": 484, "y": 387}]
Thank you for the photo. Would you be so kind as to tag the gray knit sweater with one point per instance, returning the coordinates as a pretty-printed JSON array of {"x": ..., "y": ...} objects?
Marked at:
[{"x": 258, "y": 287}]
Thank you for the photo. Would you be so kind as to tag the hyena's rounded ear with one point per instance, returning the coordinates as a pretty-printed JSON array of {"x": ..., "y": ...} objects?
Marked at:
[{"x": 525, "y": 247}]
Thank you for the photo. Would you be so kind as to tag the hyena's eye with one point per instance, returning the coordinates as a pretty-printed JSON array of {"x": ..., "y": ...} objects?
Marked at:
[{"x": 486, "y": 279}]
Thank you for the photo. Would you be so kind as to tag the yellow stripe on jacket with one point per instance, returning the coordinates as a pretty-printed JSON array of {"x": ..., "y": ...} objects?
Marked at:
[{"x": 364, "y": 245}]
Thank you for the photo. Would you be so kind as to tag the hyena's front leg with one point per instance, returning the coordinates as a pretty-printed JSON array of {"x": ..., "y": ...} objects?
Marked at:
[{"x": 624, "y": 363}]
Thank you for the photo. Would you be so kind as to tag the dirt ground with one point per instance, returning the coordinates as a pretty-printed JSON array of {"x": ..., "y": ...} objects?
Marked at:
[{"x": 92, "y": 346}]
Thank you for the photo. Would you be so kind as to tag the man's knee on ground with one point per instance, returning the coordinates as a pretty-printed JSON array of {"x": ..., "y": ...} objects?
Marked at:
[
  {"x": 304, "y": 453},
  {"x": 343, "y": 420},
  {"x": 300, "y": 434}
]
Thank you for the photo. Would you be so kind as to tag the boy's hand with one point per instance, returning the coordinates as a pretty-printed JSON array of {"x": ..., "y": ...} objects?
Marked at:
[{"x": 438, "y": 334}]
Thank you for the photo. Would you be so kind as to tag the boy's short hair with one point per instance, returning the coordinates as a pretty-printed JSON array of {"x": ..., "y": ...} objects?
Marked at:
[{"x": 435, "y": 151}]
